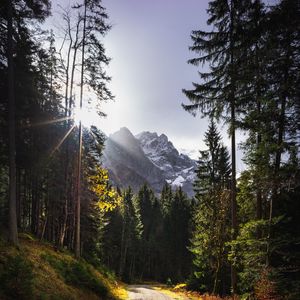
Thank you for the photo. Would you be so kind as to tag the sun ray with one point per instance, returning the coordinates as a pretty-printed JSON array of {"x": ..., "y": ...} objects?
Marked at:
[
  {"x": 62, "y": 140},
  {"x": 49, "y": 122}
]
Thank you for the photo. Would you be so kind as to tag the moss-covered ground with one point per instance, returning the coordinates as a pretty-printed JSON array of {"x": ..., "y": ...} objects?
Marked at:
[{"x": 36, "y": 271}]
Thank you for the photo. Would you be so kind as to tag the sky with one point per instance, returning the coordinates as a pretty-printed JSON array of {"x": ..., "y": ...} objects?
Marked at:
[
  {"x": 148, "y": 44},
  {"x": 149, "y": 47}
]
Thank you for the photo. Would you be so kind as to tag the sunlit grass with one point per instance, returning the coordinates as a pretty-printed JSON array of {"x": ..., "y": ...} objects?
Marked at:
[
  {"x": 52, "y": 278},
  {"x": 180, "y": 292}
]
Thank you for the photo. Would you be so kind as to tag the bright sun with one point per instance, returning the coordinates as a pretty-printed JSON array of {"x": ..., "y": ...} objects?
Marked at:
[{"x": 88, "y": 117}]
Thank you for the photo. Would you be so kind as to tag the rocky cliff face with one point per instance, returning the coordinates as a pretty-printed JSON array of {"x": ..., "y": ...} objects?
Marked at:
[
  {"x": 146, "y": 158},
  {"x": 178, "y": 169}
]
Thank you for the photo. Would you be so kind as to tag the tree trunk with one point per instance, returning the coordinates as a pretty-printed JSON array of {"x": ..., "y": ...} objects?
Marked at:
[
  {"x": 122, "y": 247},
  {"x": 77, "y": 241},
  {"x": 233, "y": 147},
  {"x": 13, "y": 230},
  {"x": 233, "y": 194},
  {"x": 63, "y": 226},
  {"x": 258, "y": 137},
  {"x": 279, "y": 151}
]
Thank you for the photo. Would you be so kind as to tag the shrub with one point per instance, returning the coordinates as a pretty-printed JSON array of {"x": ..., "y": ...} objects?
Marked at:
[
  {"x": 265, "y": 288},
  {"x": 81, "y": 274},
  {"x": 59, "y": 265},
  {"x": 17, "y": 278},
  {"x": 77, "y": 274}
]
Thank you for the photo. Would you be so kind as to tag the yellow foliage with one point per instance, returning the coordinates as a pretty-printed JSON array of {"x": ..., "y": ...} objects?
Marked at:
[
  {"x": 107, "y": 198},
  {"x": 180, "y": 286}
]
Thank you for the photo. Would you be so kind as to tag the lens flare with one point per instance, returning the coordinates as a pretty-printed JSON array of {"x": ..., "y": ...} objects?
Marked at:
[{"x": 86, "y": 116}]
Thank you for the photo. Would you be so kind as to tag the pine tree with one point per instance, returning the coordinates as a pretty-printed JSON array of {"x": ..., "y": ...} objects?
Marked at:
[
  {"x": 16, "y": 20},
  {"x": 131, "y": 234},
  {"x": 144, "y": 201},
  {"x": 179, "y": 218},
  {"x": 166, "y": 198},
  {"x": 211, "y": 215},
  {"x": 219, "y": 92},
  {"x": 12, "y": 134},
  {"x": 93, "y": 58}
]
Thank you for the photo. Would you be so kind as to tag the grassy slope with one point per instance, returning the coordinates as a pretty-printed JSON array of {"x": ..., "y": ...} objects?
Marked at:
[{"x": 57, "y": 275}]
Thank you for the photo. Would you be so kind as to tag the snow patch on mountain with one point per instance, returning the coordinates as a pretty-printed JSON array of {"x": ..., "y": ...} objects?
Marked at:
[
  {"x": 193, "y": 154},
  {"x": 178, "y": 181},
  {"x": 147, "y": 158},
  {"x": 178, "y": 169}
]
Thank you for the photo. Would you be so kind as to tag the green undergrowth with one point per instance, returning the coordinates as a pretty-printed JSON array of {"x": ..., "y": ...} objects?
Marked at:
[{"x": 36, "y": 271}]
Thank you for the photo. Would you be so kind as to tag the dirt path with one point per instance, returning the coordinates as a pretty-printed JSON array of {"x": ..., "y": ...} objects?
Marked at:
[{"x": 147, "y": 292}]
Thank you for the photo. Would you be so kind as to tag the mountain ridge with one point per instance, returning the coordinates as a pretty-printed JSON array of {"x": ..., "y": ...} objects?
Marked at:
[{"x": 147, "y": 158}]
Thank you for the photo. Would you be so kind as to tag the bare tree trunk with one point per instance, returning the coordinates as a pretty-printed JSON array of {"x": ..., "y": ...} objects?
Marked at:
[
  {"x": 63, "y": 226},
  {"x": 68, "y": 113},
  {"x": 77, "y": 241},
  {"x": 46, "y": 212},
  {"x": 13, "y": 230},
  {"x": 67, "y": 125},
  {"x": 68, "y": 64},
  {"x": 68, "y": 178},
  {"x": 73, "y": 67}
]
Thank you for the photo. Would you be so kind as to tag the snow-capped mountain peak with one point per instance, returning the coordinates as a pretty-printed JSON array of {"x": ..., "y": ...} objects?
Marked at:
[
  {"x": 155, "y": 145},
  {"x": 147, "y": 157},
  {"x": 178, "y": 169}
]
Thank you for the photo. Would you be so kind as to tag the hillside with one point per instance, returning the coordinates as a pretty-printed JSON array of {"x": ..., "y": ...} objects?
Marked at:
[{"x": 37, "y": 271}]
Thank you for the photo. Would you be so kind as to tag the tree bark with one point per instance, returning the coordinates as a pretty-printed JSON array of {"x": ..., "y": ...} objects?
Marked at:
[
  {"x": 233, "y": 148},
  {"x": 258, "y": 137},
  {"x": 233, "y": 195},
  {"x": 77, "y": 241},
  {"x": 13, "y": 230}
]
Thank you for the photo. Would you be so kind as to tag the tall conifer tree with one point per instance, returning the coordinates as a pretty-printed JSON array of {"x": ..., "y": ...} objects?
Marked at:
[
  {"x": 218, "y": 93},
  {"x": 211, "y": 215}
]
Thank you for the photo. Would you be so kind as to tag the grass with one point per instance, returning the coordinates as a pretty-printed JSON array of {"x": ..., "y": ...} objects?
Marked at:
[
  {"x": 39, "y": 272},
  {"x": 180, "y": 292}
]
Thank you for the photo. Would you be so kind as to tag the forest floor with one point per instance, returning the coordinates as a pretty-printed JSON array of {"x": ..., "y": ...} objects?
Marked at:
[{"x": 37, "y": 271}]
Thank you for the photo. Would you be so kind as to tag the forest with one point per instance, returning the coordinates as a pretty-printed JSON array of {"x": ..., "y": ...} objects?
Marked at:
[{"x": 239, "y": 236}]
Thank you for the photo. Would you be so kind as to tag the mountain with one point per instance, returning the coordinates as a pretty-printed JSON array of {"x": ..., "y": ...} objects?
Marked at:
[
  {"x": 127, "y": 163},
  {"x": 178, "y": 169},
  {"x": 146, "y": 158}
]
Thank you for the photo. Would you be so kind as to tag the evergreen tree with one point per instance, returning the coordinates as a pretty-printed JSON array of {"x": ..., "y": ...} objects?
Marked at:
[
  {"x": 14, "y": 17},
  {"x": 219, "y": 92},
  {"x": 272, "y": 92},
  {"x": 131, "y": 234},
  {"x": 166, "y": 198},
  {"x": 211, "y": 217},
  {"x": 179, "y": 218},
  {"x": 144, "y": 201}
]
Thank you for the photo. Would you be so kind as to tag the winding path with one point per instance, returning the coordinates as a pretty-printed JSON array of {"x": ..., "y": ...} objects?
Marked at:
[{"x": 147, "y": 292}]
